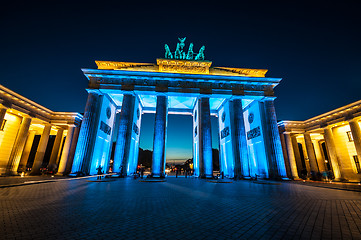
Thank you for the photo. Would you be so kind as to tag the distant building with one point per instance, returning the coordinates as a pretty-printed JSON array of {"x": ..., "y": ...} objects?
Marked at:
[
  {"x": 330, "y": 142},
  {"x": 29, "y": 131}
]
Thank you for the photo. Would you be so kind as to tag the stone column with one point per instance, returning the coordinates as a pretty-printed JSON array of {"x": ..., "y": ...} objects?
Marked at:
[
  {"x": 17, "y": 151},
  {"x": 54, "y": 153},
  {"x": 276, "y": 161},
  {"x": 40, "y": 152},
  {"x": 285, "y": 154},
  {"x": 332, "y": 153},
  {"x": 87, "y": 134},
  {"x": 122, "y": 146},
  {"x": 310, "y": 152},
  {"x": 296, "y": 150},
  {"x": 72, "y": 150},
  {"x": 320, "y": 160},
  {"x": 291, "y": 155},
  {"x": 205, "y": 132},
  {"x": 26, "y": 152},
  {"x": 2, "y": 114},
  {"x": 66, "y": 149},
  {"x": 356, "y": 134},
  {"x": 241, "y": 161},
  {"x": 160, "y": 134}
]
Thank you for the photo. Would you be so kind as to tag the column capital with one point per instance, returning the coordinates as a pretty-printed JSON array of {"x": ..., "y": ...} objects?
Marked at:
[
  {"x": 5, "y": 104},
  {"x": 204, "y": 96},
  {"x": 161, "y": 94},
  {"x": 325, "y": 126},
  {"x": 356, "y": 120},
  {"x": 94, "y": 91},
  {"x": 267, "y": 99},
  {"x": 306, "y": 133}
]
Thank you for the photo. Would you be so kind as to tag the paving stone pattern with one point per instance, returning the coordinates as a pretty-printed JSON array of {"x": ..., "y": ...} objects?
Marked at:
[{"x": 177, "y": 209}]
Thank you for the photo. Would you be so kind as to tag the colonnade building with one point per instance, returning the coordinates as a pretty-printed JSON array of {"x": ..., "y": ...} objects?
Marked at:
[
  {"x": 242, "y": 99},
  {"x": 330, "y": 142},
  {"x": 29, "y": 132}
]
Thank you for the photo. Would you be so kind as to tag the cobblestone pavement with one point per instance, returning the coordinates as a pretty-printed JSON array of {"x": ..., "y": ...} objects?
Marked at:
[
  {"x": 17, "y": 180},
  {"x": 335, "y": 185},
  {"x": 177, "y": 209}
]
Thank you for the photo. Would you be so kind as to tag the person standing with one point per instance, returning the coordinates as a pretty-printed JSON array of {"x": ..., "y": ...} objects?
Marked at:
[{"x": 99, "y": 172}]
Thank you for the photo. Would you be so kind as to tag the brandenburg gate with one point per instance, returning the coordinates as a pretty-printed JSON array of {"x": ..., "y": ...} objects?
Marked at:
[{"x": 181, "y": 83}]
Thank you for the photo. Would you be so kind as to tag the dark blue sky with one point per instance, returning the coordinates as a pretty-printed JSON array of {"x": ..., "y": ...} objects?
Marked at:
[{"x": 314, "y": 47}]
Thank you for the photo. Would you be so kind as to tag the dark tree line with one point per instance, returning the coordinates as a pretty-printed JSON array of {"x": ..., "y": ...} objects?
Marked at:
[{"x": 145, "y": 159}]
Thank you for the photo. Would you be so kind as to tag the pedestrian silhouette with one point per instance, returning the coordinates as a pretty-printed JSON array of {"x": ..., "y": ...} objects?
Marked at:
[
  {"x": 141, "y": 173},
  {"x": 99, "y": 172}
]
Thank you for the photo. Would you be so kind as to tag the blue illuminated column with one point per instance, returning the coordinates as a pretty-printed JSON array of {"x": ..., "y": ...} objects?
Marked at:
[
  {"x": 196, "y": 140},
  {"x": 241, "y": 160},
  {"x": 273, "y": 142},
  {"x": 87, "y": 134},
  {"x": 160, "y": 133},
  {"x": 205, "y": 136},
  {"x": 123, "y": 141}
]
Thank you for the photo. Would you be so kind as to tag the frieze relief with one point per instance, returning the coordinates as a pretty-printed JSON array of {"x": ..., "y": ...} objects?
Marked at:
[
  {"x": 183, "y": 66},
  {"x": 119, "y": 65},
  {"x": 181, "y": 84}
]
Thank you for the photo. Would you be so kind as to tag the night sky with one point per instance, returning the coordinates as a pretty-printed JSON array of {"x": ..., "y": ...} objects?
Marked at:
[{"x": 315, "y": 49}]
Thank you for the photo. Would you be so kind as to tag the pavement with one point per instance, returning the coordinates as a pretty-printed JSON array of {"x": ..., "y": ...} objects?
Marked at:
[{"x": 178, "y": 208}]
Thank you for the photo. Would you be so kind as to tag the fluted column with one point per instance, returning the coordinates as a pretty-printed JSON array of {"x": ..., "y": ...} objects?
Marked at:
[
  {"x": 241, "y": 160},
  {"x": 205, "y": 131},
  {"x": 87, "y": 135},
  {"x": 55, "y": 150},
  {"x": 66, "y": 149},
  {"x": 124, "y": 135},
  {"x": 26, "y": 152},
  {"x": 320, "y": 160},
  {"x": 310, "y": 152},
  {"x": 160, "y": 134},
  {"x": 40, "y": 152},
  {"x": 291, "y": 155},
  {"x": 274, "y": 147},
  {"x": 17, "y": 151},
  {"x": 72, "y": 150},
  {"x": 332, "y": 153},
  {"x": 356, "y": 134}
]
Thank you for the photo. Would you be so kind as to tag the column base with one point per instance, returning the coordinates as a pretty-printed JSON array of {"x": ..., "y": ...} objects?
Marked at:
[
  {"x": 12, "y": 173},
  {"x": 156, "y": 176},
  {"x": 337, "y": 180},
  {"x": 205, "y": 176},
  {"x": 73, "y": 174},
  {"x": 118, "y": 175},
  {"x": 35, "y": 173}
]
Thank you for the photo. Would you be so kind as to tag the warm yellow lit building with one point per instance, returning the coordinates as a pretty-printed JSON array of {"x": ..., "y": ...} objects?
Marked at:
[
  {"x": 29, "y": 131},
  {"x": 330, "y": 142}
]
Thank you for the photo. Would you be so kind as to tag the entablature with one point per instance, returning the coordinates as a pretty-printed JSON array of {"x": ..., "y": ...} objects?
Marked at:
[
  {"x": 26, "y": 107},
  {"x": 175, "y": 82}
]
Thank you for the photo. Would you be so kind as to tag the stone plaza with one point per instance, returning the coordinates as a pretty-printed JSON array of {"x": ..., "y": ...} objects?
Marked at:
[{"x": 180, "y": 208}]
